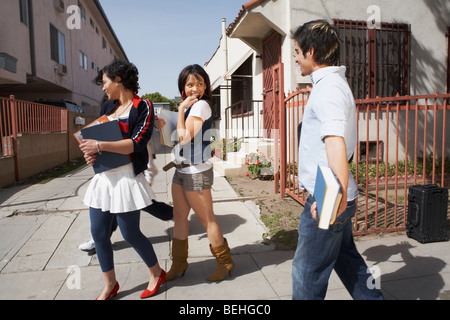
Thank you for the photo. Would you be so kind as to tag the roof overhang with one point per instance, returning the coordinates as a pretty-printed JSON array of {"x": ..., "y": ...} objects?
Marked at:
[
  {"x": 252, "y": 28},
  {"x": 99, "y": 7},
  {"x": 218, "y": 82}
]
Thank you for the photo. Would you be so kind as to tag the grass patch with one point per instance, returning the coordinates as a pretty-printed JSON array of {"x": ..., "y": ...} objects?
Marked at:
[{"x": 282, "y": 229}]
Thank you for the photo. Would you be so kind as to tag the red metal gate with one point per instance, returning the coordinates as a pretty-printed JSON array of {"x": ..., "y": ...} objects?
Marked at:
[
  {"x": 24, "y": 117},
  {"x": 278, "y": 129},
  {"x": 410, "y": 138},
  {"x": 271, "y": 58}
]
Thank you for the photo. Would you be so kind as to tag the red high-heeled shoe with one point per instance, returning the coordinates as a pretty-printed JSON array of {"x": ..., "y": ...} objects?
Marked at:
[
  {"x": 113, "y": 293},
  {"x": 147, "y": 293}
]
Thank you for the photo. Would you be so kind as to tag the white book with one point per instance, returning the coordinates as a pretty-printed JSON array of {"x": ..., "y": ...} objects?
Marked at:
[
  {"x": 328, "y": 196},
  {"x": 169, "y": 135}
]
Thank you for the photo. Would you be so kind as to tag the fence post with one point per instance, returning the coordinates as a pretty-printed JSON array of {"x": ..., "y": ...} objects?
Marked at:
[
  {"x": 13, "y": 110},
  {"x": 275, "y": 132},
  {"x": 65, "y": 127},
  {"x": 283, "y": 134}
]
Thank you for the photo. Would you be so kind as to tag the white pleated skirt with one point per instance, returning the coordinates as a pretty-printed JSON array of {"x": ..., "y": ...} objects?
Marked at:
[{"x": 119, "y": 191}]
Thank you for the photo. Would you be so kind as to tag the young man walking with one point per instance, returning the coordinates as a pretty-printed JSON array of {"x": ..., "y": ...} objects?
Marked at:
[{"x": 328, "y": 138}]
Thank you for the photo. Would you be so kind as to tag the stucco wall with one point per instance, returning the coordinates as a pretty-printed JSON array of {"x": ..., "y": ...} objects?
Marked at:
[{"x": 42, "y": 151}]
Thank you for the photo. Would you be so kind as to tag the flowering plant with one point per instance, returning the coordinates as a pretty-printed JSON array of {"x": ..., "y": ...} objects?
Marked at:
[
  {"x": 220, "y": 147},
  {"x": 259, "y": 166}
]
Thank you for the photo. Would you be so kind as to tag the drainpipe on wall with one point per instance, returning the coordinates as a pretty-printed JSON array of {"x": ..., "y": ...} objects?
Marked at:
[
  {"x": 225, "y": 51},
  {"x": 32, "y": 42},
  {"x": 225, "y": 42}
]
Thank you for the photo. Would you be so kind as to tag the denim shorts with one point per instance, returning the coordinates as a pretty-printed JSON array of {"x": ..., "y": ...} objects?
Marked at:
[{"x": 194, "y": 182}]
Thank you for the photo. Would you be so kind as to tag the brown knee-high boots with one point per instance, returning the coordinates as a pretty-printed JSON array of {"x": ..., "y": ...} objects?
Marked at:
[
  {"x": 179, "y": 259},
  {"x": 225, "y": 264},
  {"x": 222, "y": 253}
]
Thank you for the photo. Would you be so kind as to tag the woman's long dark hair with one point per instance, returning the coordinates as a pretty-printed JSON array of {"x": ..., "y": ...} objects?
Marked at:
[{"x": 196, "y": 71}]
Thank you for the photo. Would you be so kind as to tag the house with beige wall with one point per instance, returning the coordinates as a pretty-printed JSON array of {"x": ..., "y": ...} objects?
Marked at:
[
  {"x": 53, "y": 49},
  {"x": 388, "y": 47}
]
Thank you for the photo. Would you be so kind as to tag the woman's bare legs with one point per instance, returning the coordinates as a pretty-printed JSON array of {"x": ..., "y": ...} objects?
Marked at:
[
  {"x": 181, "y": 211},
  {"x": 202, "y": 205}
]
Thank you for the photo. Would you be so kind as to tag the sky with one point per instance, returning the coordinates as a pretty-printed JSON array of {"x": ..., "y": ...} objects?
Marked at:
[{"x": 163, "y": 37}]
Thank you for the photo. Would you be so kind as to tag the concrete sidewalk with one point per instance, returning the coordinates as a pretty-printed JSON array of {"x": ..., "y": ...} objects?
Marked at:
[{"x": 41, "y": 227}]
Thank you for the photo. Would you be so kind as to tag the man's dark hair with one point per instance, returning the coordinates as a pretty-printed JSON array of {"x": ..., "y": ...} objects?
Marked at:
[
  {"x": 127, "y": 72},
  {"x": 321, "y": 36}
]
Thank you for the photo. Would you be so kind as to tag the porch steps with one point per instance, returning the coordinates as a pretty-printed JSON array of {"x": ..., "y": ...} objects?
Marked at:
[
  {"x": 226, "y": 169},
  {"x": 254, "y": 146},
  {"x": 235, "y": 164}
]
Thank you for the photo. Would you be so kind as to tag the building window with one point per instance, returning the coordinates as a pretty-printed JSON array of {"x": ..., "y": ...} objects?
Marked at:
[
  {"x": 377, "y": 60},
  {"x": 372, "y": 155},
  {"x": 8, "y": 62},
  {"x": 23, "y": 7},
  {"x": 216, "y": 103},
  {"x": 104, "y": 43},
  {"x": 83, "y": 61},
  {"x": 82, "y": 11},
  {"x": 57, "y": 45}
]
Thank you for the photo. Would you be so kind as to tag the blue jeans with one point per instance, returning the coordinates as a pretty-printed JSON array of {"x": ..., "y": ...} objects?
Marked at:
[
  {"x": 101, "y": 226},
  {"x": 320, "y": 251}
]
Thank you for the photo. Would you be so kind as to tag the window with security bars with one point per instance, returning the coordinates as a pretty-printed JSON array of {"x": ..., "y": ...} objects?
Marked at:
[{"x": 377, "y": 60}]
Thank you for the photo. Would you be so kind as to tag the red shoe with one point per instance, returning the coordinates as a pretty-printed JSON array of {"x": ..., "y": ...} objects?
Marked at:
[
  {"x": 113, "y": 293},
  {"x": 147, "y": 293}
]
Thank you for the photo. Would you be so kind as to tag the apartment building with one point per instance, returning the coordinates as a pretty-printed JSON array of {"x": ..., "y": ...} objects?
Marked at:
[{"x": 53, "y": 49}]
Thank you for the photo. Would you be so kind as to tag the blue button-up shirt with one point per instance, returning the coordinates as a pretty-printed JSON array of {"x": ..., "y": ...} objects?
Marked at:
[{"x": 331, "y": 111}]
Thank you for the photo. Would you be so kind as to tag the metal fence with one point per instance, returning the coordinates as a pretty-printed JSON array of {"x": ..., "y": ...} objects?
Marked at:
[
  {"x": 402, "y": 142},
  {"x": 244, "y": 120},
  {"x": 8, "y": 130},
  {"x": 24, "y": 117}
]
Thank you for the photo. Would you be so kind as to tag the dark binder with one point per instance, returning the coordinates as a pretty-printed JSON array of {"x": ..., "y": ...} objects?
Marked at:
[{"x": 109, "y": 131}]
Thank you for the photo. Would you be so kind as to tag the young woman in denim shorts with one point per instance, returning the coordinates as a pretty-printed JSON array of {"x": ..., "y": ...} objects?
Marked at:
[{"x": 193, "y": 179}]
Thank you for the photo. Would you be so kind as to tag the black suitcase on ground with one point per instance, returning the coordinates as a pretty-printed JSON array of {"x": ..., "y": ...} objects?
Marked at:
[{"x": 427, "y": 214}]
